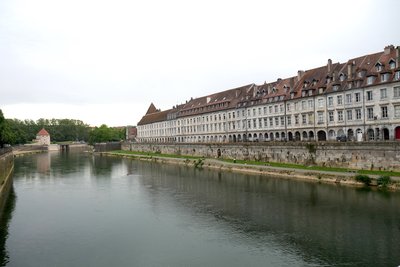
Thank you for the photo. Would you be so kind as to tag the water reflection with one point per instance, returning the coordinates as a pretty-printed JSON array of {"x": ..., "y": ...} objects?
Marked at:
[
  {"x": 5, "y": 219},
  {"x": 325, "y": 224},
  {"x": 125, "y": 212}
]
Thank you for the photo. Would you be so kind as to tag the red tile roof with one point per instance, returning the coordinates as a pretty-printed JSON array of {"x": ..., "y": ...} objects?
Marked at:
[{"x": 43, "y": 132}]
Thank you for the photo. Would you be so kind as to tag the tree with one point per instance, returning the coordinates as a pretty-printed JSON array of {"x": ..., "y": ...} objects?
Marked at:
[
  {"x": 105, "y": 134},
  {"x": 5, "y": 132}
]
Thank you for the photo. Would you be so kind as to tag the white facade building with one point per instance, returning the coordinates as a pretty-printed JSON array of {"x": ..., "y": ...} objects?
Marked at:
[{"x": 357, "y": 100}]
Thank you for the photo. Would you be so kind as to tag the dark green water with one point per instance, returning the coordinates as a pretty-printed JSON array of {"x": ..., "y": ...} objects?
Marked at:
[{"x": 81, "y": 210}]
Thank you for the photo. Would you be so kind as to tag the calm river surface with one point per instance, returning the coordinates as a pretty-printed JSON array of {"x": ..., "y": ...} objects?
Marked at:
[{"x": 76, "y": 209}]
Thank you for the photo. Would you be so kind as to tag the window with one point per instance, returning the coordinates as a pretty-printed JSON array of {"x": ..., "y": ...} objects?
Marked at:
[
  {"x": 281, "y": 107},
  {"x": 311, "y": 118},
  {"x": 369, "y": 96},
  {"x": 370, "y": 79},
  {"x": 265, "y": 110},
  {"x": 320, "y": 117},
  {"x": 340, "y": 115},
  {"x": 397, "y": 111},
  {"x": 270, "y": 109},
  {"x": 331, "y": 116},
  {"x": 397, "y": 75},
  {"x": 310, "y": 104},
  {"x": 259, "y": 123},
  {"x": 271, "y": 122},
  {"x": 370, "y": 113},
  {"x": 330, "y": 101},
  {"x": 276, "y": 108},
  {"x": 265, "y": 123},
  {"x": 304, "y": 119},
  {"x": 358, "y": 114},
  {"x": 358, "y": 97},
  {"x": 349, "y": 115},
  {"x": 296, "y": 119},
  {"x": 249, "y": 124},
  {"x": 340, "y": 100},
  {"x": 348, "y": 99},
  {"x": 392, "y": 64},
  {"x": 259, "y": 111},
  {"x": 288, "y": 107},
  {"x": 396, "y": 92},
  {"x": 282, "y": 121},
  {"x": 254, "y": 111},
  {"x": 384, "y": 111},
  {"x": 383, "y": 93},
  {"x": 320, "y": 102},
  {"x": 289, "y": 119},
  {"x": 384, "y": 77},
  {"x": 276, "y": 121},
  {"x": 303, "y": 105}
]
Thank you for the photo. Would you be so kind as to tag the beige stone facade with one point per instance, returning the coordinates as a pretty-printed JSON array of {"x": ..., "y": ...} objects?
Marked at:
[{"x": 358, "y": 101}]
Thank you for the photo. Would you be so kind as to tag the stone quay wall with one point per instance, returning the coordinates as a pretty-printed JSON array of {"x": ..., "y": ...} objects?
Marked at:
[
  {"x": 6, "y": 168},
  {"x": 353, "y": 155}
]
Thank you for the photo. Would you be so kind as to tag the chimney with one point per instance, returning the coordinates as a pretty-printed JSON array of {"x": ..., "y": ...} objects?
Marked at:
[
  {"x": 329, "y": 65},
  {"x": 388, "y": 49},
  {"x": 350, "y": 70},
  {"x": 291, "y": 83},
  {"x": 397, "y": 56},
  {"x": 279, "y": 79},
  {"x": 299, "y": 75},
  {"x": 334, "y": 76}
]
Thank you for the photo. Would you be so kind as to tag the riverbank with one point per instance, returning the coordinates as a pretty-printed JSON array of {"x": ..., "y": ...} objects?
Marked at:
[
  {"x": 6, "y": 170},
  {"x": 334, "y": 176}
]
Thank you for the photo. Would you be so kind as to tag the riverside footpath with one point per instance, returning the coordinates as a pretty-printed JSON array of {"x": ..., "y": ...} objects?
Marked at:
[{"x": 339, "y": 176}]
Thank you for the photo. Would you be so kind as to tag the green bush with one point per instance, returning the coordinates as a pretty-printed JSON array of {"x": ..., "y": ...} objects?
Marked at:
[
  {"x": 363, "y": 179},
  {"x": 383, "y": 180}
]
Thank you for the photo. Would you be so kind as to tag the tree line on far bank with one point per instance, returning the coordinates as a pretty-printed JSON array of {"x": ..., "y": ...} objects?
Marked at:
[{"x": 14, "y": 131}]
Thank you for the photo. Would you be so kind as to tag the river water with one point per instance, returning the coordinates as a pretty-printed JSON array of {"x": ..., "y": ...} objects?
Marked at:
[{"x": 76, "y": 209}]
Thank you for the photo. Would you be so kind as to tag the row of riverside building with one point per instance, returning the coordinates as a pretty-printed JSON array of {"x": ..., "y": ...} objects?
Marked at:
[{"x": 358, "y": 101}]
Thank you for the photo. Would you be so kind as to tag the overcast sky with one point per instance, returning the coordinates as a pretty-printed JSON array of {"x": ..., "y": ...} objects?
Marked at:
[{"x": 106, "y": 61}]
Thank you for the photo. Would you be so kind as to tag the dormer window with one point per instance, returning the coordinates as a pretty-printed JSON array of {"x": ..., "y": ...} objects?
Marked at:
[
  {"x": 321, "y": 90},
  {"x": 310, "y": 92},
  {"x": 292, "y": 94},
  {"x": 392, "y": 64},
  {"x": 342, "y": 77},
  {"x": 303, "y": 93},
  {"x": 397, "y": 75},
  {"x": 314, "y": 82},
  {"x": 378, "y": 67},
  {"x": 335, "y": 87},
  {"x": 384, "y": 77},
  {"x": 349, "y": 85},
  {"x": 328, "y": 79},
  {"x": 370, "y": 79},
  {"x": 361, "y": 74}
]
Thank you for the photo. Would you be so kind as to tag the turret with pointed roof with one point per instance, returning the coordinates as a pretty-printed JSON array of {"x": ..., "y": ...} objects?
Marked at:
[{"x": 43, "y": 137}]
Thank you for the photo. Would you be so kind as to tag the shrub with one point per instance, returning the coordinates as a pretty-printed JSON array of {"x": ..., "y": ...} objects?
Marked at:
[
  {"x": 363, "y": 179},
  {"x": 384, "y": 180}
]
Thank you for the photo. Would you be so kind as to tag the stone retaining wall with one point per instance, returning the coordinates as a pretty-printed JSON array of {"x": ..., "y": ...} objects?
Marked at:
[
  {"x": 357, "y": 155},
  {"x": 6, "y": 168}
]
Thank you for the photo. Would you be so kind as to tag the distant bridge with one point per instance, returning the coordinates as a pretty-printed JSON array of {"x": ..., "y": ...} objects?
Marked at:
[{"x": 65, "y": 146}]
